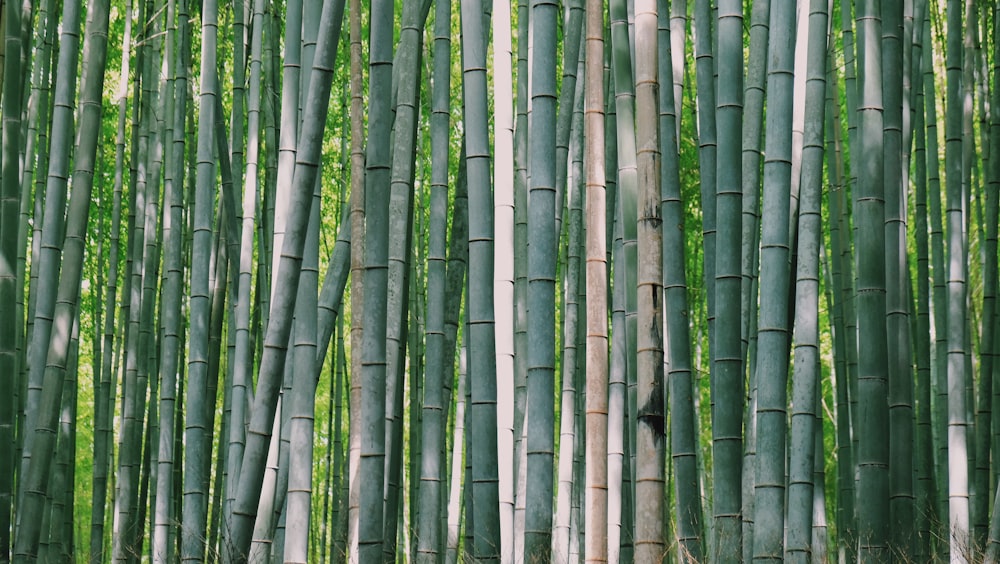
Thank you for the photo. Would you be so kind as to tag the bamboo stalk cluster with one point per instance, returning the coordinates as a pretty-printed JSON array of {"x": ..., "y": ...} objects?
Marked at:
[{"x": 536, "y": 282}]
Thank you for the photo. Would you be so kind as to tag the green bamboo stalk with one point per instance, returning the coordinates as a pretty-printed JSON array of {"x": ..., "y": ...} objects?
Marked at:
[
  {"x": 806, "y": 381},
  {"x": 433, "y": 483},
  {"x": 36, "y": 485},
  {"x": 542, "y": 254},
  {"x": 869, "y": 230}
]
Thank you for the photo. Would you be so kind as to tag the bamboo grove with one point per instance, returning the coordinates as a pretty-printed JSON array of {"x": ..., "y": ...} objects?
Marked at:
[{"x": 514, "y": 282}]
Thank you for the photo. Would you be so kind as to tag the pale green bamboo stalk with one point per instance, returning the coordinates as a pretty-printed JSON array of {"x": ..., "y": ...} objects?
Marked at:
[
  {"x": 958, "y": 470},
  {"x": 624, "y": 98},
  {"x": 678, "y": 60},
  {"x": 820, "y": 529},
  {"x": 242, "y": 361},
  {"x": 572, "y": 297},
  {"x": 331, "y": 295},
  {"x": 542, "y": 255},
  {"x": 429, "y": 533},
  {"x": 296, "y": 515},
  {"x": 683, "y": 438},
  {"x": 924, "y": 461},
  {"x": 572, "y": 34},
  {"x": 104, "y": 409},
  {"x": 806, "y": 388},
  {"x": 568, "y": 420},
  {"x": 267, "y": 508},
  {"x": 972, "y": 218},
  {"x": 578, "y": 179},
  {"x": 37, "y": 112},
  {"x": 61, "y": 497},
  {"x": 357, "y": 276},
  {"x": 288, "y": 275},
  {"x": 752, "y": 128},
  {"x": 503, "y": 267},
  {"x": 845, "y": 466},
  {"x": 195, "y": 511},
  {"x": 650, "y": 466},
  {"x": 151, "y": 151},
  {"x": 53, "y": 221},
  {"x": 620, "y": 532},
  {"x": 39, "y": 182},
  {"x": 406, "y": 69},
  {"x": 481, "y": 361},
  {"x": 307, "y": 361},
  {"x": 458, "y": 253},
  {"x": 176, "y": 96},
  {"x": 520, "y": 275},
  {"x": 130, "y": 432},
  {"x": 772, "y": 339},
  {"x": 939, "y": 369},
  {"x": 373, "y": 352},
  {"x": 92, "y": 85},
  {"x": 54, "y": 545},
  {"x": 455, "y": 490},
  {"x": 341, "y": 489},
  {"x": 410, "y": 510},
  {"x": 289, "y": 127},
  {"x": 705, "y": 94}
]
